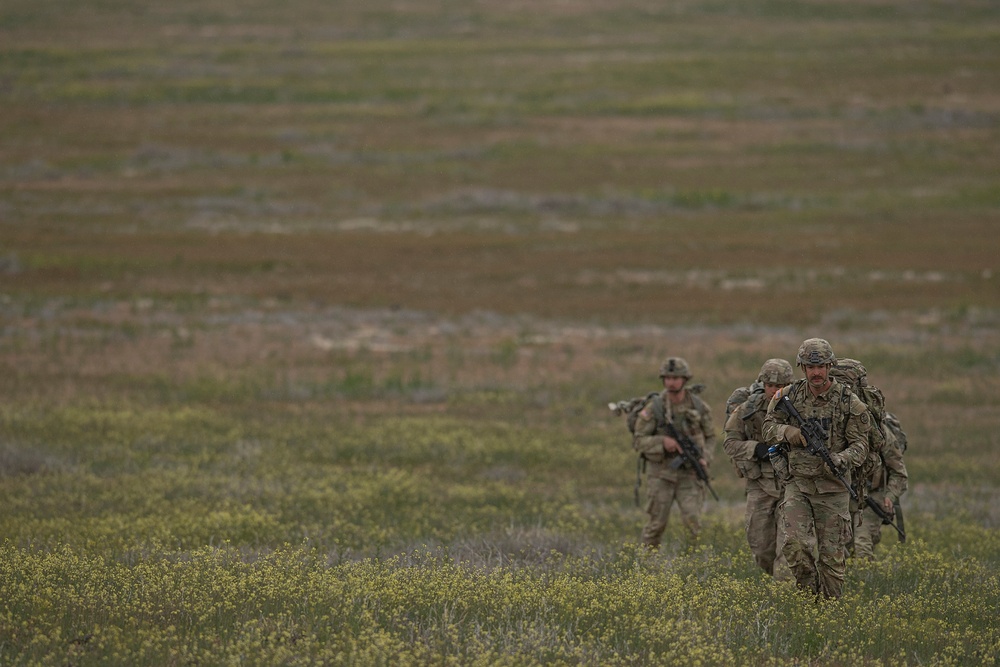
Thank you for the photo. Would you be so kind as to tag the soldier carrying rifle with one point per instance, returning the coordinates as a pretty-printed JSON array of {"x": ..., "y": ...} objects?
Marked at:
[
  {"x": 675, "y": 436},
  {"x": 822, "y": 428},
  {"x": 884, "y": 477},
  {"x": 746, "y": 448}
]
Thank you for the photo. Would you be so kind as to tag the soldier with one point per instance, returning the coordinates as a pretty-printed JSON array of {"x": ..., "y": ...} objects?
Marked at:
[
  {"x": 668, "y": 479},
  {"x": 816, "y": 504},
  {"x": 745, "y": 446},
  {"x": 886, "y": 479}
]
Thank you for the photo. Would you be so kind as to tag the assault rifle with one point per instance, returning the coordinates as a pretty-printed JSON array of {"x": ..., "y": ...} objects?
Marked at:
[
  {"x": 815, "y": 439},
  {"x": 886, "y": 518},
  {"x": 899, "y": 520},
  {"x": 689, "y": 450},
  {"x": 815, "y": 445},
  {"x": 689, "y": 454}
]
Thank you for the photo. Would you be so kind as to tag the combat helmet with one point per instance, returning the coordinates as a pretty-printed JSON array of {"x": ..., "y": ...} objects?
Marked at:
[
  {"x": 850, "y": 372},
  {"x": 776, "y": 371},
  {"x": 675, "y": 367},
  {"x": 815, "y": 352}
]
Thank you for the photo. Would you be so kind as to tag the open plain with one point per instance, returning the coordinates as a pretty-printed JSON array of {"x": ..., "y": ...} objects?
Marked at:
[{"x": 310, "y": 313}]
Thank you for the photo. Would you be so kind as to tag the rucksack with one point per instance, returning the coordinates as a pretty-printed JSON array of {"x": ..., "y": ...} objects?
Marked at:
[
  {"x": 892, "y": 425},
  {"x": 873, "y": 398},
  {"x": 741, "y": 395},
  {"x": 633, "y": 406},
  {"x": 853, "y": 374}
]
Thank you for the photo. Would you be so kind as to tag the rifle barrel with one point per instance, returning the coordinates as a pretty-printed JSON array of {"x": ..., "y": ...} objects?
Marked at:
[
  {"x": 689, "y": 451},
  {"x": 882, "y": 514}
]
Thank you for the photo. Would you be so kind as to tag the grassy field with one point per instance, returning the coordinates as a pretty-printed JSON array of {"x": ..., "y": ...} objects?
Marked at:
[{"x": 310, "y": 313}]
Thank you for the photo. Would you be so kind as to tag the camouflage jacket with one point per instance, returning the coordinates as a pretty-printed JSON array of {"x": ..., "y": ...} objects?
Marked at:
[
  {"x": 890, "y": 478},
  {"x": 842, "y": 417},
  {"x": 692, "y": 417},
  {"x": 744, "y": 430}
]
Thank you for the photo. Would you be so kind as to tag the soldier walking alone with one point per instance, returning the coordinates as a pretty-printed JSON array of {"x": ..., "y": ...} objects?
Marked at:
[{"x": 669, "y": 480}]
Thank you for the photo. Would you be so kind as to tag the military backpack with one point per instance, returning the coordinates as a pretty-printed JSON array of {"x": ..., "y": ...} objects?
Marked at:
[
  {"x": 633, "y": 406},
  {"x": 893, "y": 426},
  {"x": 853, "y": 374},
  {"x": 741, "y": 394}
]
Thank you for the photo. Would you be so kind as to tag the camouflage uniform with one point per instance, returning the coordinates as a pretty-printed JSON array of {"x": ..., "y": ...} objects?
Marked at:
[
  {"x": 889, "y": 480},
  {"x": 744, "y": 444},
  {"x": 816, "y": 505},
  {"x": 741, "y": 395},
  {"x": 667, "y": 483},
  {"x": 887, "y": 474}
]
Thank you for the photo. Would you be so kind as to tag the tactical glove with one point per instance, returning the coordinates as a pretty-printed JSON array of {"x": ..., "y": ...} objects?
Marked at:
[
  {"x": 760, "y": 452},
  {"x": 793, "y": 436}
]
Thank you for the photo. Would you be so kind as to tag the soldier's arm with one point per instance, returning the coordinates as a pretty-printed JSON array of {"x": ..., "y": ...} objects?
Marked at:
[
  {"x": 644, "y": 441},
  {"x": 859, "y": 422},
  {"x": 708, "y": 428},
  {"x": 773, "y": 429},
  {"x": 737, "y": 445},
  {"x": 897, "y": 478}
]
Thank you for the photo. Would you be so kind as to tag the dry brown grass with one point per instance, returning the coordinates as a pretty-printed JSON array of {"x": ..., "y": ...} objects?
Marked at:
[
  {"x": 434, "y": 199},
  {"x": 685, "y": 271}
]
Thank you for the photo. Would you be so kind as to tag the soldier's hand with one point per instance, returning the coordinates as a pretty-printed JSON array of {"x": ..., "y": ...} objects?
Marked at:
[
  {"x": 704, "y": 464},
  {"x": 889, "y": 508},
  {"x": 838, "y": 461},
  {"x": 794, "y": 437},
  {"x": 760, "y": 452},
  {"x": 670, "y": 445}
]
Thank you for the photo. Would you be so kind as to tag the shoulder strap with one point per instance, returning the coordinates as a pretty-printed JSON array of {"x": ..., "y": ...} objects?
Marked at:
[
  {"x": 844, "y": 408},
  {"x": 699, "y": 404},
  {"x": 753, "y": 404},
  {"x": 794, "y": 391},
  {"x": 655, "y": 400}
]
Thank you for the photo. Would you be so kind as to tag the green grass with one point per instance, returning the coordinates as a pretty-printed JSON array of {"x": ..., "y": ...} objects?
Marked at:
[
  {"x": 199, "y": 534},
  {"x": 216, "y": 604},
  {"x": 228, "y": 512},
  {"x": 152, "y": 534}
]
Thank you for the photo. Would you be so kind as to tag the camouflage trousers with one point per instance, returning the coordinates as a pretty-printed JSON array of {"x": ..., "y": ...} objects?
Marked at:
[
  {"x": 765, "y": 530},
  {"x": 817, "y": 531},
  {"x": 868, "y": 529},
  {"x": 687, "y": 492}
]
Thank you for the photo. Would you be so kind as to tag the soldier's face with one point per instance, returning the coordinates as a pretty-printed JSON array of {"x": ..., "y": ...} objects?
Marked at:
[
  {"x": 818, "y": 377},
  {"x": 674, "y": 384},
  {"x": 771, "y": 389}
]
